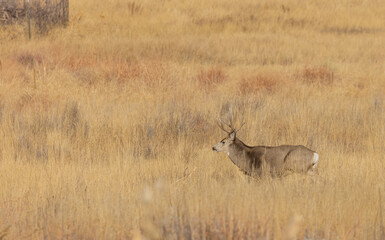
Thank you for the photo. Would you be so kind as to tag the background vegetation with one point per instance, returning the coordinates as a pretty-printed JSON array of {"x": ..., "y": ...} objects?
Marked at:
[{"x": 106, "y": 126}]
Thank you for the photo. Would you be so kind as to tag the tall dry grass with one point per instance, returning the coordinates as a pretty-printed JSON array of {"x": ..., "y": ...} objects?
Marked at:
[{"x": 106, "y": 126}]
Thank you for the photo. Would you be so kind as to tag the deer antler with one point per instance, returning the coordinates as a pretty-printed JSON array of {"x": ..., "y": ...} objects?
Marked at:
[
  {"x": 220, "y": 125},
  {"x": 240, "y": 126},
  {"x": 232, "y": 122},
  {"x": 242, "y": 123}
]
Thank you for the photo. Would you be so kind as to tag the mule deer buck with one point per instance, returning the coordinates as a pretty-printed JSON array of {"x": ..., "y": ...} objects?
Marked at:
[{"x": 253, "y": 161}]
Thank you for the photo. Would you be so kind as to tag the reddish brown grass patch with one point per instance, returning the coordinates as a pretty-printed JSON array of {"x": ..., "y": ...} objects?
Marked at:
[
  {"x": 151, "y": 74},
  {"x": 317, "y": 75},
  {"x": 79, "y": 62},
  {"x": 211, "y": 78},
  {"x": 144, "y": 74},
  {"x": 253, "y": 85}
]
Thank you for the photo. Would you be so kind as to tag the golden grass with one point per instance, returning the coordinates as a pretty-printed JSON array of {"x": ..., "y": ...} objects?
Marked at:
[{"x": 106, "y": 126}]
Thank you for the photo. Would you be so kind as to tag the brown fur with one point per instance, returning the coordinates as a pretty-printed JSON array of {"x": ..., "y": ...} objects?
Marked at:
[{"x": 276, "y": 160}]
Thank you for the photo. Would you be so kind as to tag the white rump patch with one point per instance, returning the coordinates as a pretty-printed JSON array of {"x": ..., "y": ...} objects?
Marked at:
[{"x": 315, "y": 160}]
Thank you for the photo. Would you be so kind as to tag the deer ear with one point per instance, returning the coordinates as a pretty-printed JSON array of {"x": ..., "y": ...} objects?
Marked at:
[{"x": 232, "y": 135}]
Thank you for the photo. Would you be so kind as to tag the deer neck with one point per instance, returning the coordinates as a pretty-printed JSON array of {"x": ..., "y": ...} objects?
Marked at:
[{"x": 238, "y": 154}]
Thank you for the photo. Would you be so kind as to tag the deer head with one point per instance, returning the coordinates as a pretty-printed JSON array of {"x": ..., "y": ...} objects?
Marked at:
[{"x": 224, "y": 144}]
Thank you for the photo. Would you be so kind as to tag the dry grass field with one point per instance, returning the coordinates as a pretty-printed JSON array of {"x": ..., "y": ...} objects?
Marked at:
[{"x": 106, "y": 126}]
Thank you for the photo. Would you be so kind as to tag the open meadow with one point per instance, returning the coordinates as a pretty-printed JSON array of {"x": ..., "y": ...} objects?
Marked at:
[{"x": 107, "y": 125}]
